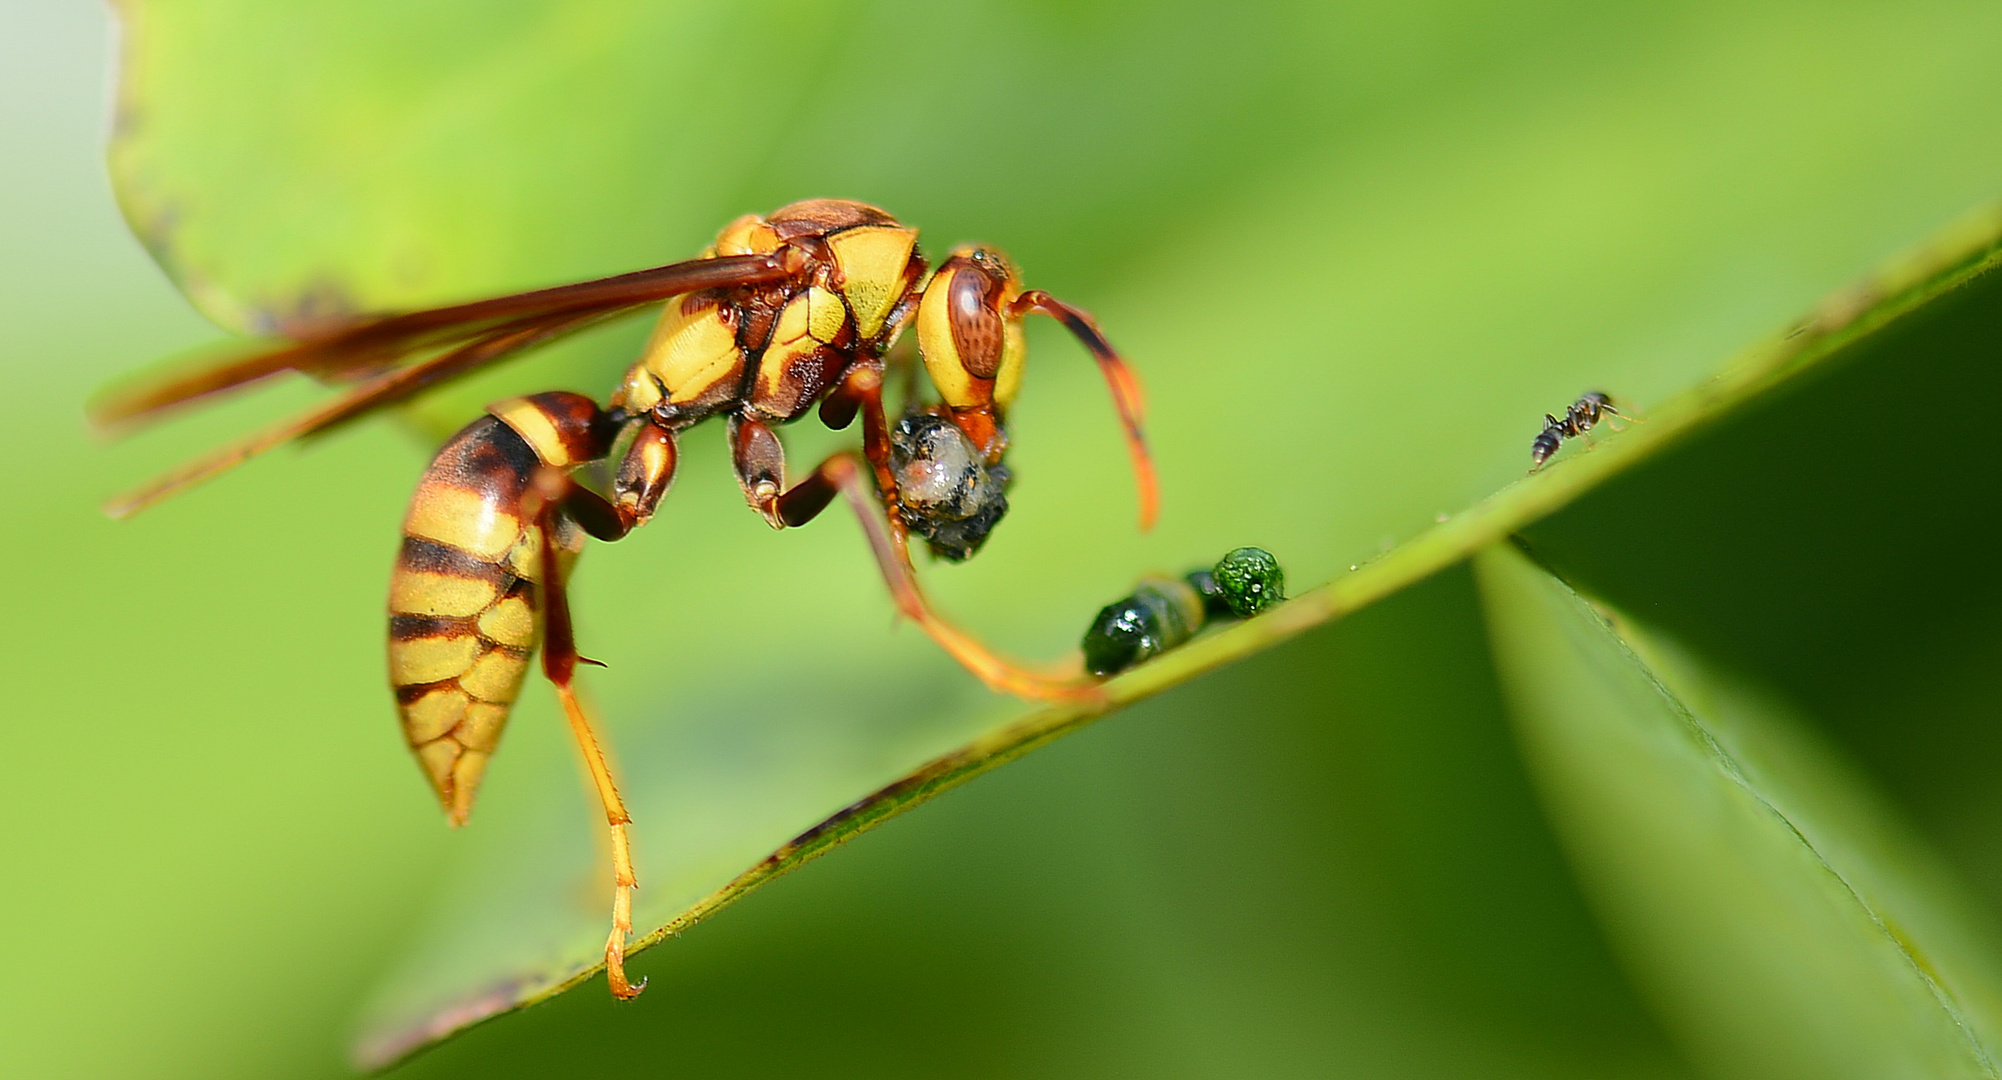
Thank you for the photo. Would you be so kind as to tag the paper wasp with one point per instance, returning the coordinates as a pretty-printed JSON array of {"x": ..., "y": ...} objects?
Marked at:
[{"x": 781, "y": 314}]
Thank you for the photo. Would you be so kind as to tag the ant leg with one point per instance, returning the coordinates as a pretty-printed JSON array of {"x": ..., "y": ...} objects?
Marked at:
[
  {"x": 1611, "y": 418},
  {"x": 552, "y": 491},
  {"x": 1628, "y": 417},
  {"x": 844, "y": 473}
]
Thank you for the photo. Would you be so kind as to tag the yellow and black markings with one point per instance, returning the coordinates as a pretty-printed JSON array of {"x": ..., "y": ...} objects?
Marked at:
[{"x": 782, "y": 313}]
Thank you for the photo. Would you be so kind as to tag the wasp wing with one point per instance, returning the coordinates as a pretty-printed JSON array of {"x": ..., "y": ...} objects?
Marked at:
[
  {"x": 388, "y": 387},
  {"x": 389, "y": 354},
  {"x": 365, "y": 348}
]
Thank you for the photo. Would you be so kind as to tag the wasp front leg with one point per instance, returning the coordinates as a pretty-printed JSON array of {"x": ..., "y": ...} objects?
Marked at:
[
  {"x": 760, "y": 465},
  {"x": 845, "y": 473}
]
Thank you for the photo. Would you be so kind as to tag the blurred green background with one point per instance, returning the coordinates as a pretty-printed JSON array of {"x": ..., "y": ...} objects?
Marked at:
[{"x": 1356, "y": 251}]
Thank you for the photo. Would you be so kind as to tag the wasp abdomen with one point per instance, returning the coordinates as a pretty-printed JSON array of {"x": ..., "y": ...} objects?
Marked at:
[{"x": 464, "y": 616}]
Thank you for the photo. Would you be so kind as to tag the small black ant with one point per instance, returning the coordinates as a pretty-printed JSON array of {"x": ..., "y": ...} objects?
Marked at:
[{"x": 1581, "y": 417}]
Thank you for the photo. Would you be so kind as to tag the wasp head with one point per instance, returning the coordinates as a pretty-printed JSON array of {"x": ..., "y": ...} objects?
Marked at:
[
  {"x": 947, "y": 491},
  {"x": 971, "y": 340}
]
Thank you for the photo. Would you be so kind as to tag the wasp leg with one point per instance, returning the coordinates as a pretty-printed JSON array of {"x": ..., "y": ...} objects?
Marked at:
[
  {"x": 845, "y": 473},
  {"x": 890, "y": 541},
  {"x": 866, "y": 385},
  {"x": 759, "y": 460},
  {"x": 553, "y": 491}
]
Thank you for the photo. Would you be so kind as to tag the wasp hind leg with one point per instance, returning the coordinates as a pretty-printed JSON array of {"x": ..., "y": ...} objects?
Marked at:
[{"x": 553, "y": 492}]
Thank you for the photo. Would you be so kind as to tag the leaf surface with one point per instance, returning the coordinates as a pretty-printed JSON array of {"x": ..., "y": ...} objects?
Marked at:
[{"x": 1781, "y": 920}]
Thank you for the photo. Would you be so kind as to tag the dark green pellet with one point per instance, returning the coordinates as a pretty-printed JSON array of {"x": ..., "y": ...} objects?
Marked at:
[
  {"x": 1204, "y": 582},
  {"x": 1250, "y": 581},
  {"x": 1164, "y": 612},
  {"x": 1160, "y": 615}
]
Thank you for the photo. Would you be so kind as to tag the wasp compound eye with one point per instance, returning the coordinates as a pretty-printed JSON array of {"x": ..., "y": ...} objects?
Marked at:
[
  {"x": 1249, "y": 581},
  {"x": 946, "y": 492}
]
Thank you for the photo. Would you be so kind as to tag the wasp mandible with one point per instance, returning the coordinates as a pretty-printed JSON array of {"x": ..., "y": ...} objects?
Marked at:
[{"x": 781, "y": 314}]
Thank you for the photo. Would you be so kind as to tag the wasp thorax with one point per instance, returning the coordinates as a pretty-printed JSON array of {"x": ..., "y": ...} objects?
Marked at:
[{"x": 947, "y": 493}]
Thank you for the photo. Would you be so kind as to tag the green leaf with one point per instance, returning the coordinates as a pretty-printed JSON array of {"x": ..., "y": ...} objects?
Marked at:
[
  {"x": 1355, "y": 258},
  {"x": 1328, "y": 853},
  {"x": 1958, "y": 257},
  {"x": 1781, "y": 920}
]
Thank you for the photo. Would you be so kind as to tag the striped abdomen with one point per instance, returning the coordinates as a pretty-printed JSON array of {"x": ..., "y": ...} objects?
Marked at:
[{"x": 464, "y": 614}]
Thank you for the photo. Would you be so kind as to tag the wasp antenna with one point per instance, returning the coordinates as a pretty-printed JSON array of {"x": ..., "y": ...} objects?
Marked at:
[{"x": 1127, "y": 395}]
